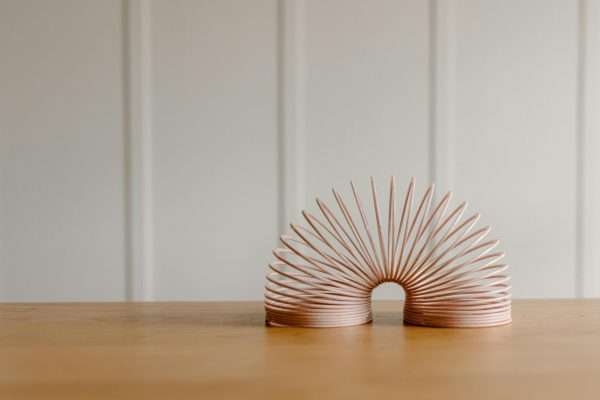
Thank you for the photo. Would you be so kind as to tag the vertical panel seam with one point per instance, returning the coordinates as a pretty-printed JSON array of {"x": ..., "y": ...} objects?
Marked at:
[
  {"x": 580, "y": 245},
  {"x": 441, "y": 92},
  {"x": 125, "y": 26},
  {"x": 291, "y": 124},
  {"x": 587, "y": 279},
  {"x": 433, "y": 159},
  {"x": 138, "y": 151}
]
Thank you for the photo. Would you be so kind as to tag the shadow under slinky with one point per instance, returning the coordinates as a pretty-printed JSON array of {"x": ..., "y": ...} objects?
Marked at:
[
  {"x": 256, "y": 319},
  {"x": 388, "y": 318}
]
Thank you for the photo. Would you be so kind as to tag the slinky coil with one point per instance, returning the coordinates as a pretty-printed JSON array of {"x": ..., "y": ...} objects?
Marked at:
[{"x": 326, "y": 271}]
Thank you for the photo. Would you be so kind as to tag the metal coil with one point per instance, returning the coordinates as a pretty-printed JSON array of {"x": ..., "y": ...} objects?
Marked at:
[{"x": 325, "y": 273}]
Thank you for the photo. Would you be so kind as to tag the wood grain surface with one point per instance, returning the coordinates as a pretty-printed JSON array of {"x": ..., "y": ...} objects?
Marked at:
[{"x": 223, "y": 350}]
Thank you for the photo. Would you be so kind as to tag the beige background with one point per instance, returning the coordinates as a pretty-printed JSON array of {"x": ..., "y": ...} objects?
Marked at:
[{"x": 155, "y": 149}]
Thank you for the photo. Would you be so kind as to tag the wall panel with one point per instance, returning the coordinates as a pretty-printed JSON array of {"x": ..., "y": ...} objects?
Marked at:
[
  {"x": 367, "y": 96},
  {"x": 155, "y": 149},
  {"x": 61, "y": 151},
  {"x": 215, "y": 147},
  {"x": 515, "y": 134}
]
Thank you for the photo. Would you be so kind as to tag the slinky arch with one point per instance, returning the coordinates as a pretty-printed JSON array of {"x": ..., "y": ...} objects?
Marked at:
[{"x": 325, "y": 272}]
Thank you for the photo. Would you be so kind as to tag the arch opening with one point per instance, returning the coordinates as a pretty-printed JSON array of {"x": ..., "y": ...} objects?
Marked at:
[
  {"x": 387, "y": 302},
  {"x": 388, "y": 290}
]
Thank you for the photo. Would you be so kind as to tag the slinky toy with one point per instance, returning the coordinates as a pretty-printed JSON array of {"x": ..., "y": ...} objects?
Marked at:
[{"x": 326, "y": 271}]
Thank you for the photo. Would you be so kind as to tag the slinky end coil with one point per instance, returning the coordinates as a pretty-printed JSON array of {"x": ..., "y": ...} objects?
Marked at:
[
  {"x": 413, "y": 315},
  {"x": 325, "y": 274}
]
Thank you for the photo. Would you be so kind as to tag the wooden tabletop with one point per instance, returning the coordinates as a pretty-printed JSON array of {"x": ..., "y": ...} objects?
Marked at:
[{"x": 223, "y": 350}]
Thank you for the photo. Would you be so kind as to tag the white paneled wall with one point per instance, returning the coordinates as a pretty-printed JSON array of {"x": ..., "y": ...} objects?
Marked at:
[
  {"x": 515, "y": 156},
  {"x": 215, "y": 147},
  {"x": 62, "y": 174},
  {"x": 366, "y": 96},
  {"x": 156, "y": 149}
]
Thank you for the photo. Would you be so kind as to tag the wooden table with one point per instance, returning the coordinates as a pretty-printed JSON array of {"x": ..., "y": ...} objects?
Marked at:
[{"x": 223, "y": 350}]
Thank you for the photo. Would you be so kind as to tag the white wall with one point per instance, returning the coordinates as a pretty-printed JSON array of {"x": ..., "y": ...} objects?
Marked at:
[
  {"x": 61, "y": 151},
  {"x": 155, "y": 149}
]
